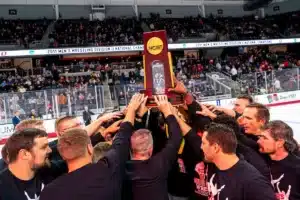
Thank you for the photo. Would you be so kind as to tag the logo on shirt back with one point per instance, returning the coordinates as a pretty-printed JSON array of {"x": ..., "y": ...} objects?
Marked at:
[
  {"x": 181, "y": 165},
  {"x": 35, "y": 195},
  {"x": 280, "y": 195},
  {"x": 205, "y": 188},
  {"x": 201, "y": 183},
  {"x": 214, "y": 191}
]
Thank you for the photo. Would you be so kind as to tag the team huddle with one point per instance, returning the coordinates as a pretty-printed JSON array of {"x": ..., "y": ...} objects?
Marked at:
[{"x": 189, "y": 152}]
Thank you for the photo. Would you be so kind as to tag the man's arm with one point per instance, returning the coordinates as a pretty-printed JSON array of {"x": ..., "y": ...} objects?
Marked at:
[
  {"x": 227, "y": 111},
  {"x": 191, "y": 138},
  {"x": 95, "y": 125},
  {"x": 119, "y": 153},
  {"x": 168, "y": 155}
]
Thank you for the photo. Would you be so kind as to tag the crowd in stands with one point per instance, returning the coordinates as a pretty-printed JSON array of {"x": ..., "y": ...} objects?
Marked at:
[
  {"x": 258, "y": 70},
  {"x": 187, "y": 27},
  {"x": 22, "y": 32},
  {"x": 82, "y": 32},
  {"x": 116, "y": 31},
  {"x": 190, "y": 152}
]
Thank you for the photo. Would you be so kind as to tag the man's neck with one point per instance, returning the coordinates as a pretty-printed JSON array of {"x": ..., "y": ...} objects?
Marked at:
[
  {"x": 139, "y": 157},
  {"x": 279, "y": 155},
  {"x": 226, "y": 161},
  {"x": 78, "y": 163},
  {"x": 257, "y": 132},
  {"x": 21, "y": 171}
]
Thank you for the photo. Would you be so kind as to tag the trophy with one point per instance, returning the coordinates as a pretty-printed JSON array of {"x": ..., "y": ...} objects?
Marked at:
[{"x": 158, "y": 69}]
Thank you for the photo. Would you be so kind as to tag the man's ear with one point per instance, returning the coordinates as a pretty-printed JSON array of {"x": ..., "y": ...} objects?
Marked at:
[
  {"x": 90, "y": 149},
  {"x": 216, "y": 148},
  {"x": 280, "y": 143},
  {"x": 24, "y": 154}
]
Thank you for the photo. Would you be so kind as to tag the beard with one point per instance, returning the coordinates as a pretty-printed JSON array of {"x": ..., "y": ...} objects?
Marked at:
[{"x": 37, "y": 166}]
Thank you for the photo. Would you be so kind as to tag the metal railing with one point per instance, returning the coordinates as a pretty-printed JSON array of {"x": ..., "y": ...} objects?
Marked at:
[
  {"x": 53, "y": 103},
  {"x": 270, "y": 81}
]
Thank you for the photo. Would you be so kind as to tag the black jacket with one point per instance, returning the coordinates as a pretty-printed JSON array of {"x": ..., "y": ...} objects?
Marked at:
[{"x": 147, "y": 179}]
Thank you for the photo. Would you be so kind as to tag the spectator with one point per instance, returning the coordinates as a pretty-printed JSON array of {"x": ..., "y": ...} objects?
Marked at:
[{"x": 16, "y": 119}]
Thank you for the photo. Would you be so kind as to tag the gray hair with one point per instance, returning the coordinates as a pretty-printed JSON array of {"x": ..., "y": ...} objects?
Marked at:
[{"x": 141, "y": 142}]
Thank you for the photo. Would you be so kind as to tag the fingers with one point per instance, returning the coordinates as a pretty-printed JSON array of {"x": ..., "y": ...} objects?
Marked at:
[
  {"x": 201, "y": 113},
  {"x": 160, "y": 99},
  {"x": 145, "y": 100},
  {"x": 156, "y": 100},
  {"x": 171, "y": 90}
]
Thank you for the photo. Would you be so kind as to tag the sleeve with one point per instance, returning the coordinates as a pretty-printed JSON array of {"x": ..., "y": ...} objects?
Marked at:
[
  {"x": 255, "y": 159},
  {"x": 248, "y": 141},
  {"x": 237, "y": 115},
  {"x": 169, "y": 153},
  {"x": 47, "y": 194},
  {"x": 194, "y": 141},
  {"x": 263, "y": 189},
  {"x": 119, "y": 153},
  {"x": 95, "y": 139},
  {"x": 142, "y": 123},
  {"x": 198, "y": 122},
  {"x": 3, "y": 165}
]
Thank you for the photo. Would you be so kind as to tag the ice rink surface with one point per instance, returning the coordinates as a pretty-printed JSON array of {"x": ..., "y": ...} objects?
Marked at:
[{"x": 289, "y": 113}]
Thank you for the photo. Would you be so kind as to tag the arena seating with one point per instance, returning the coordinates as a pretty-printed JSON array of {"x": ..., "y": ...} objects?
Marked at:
[
  {"x": 22, "y": 32},
  {"x": 111, "y": 31}
]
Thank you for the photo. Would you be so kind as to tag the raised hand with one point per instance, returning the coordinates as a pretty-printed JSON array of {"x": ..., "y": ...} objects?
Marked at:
[
  {"x": 113, "y": 128},
  {"x": 143, "y": 108},
  {"x": 179, "y": 87},
  {"x": 212, "y": 108},
  {"x": 163, "y": 105},
  {"x": 135, "y": 102},
  {"x": 133, "y": 106},
  {"x": 108, "y": 116},
  {"x": 206, "y": 112}
]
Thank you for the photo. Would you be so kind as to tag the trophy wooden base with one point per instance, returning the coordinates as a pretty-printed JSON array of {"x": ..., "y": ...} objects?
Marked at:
[{"x": 174, "y": 99}]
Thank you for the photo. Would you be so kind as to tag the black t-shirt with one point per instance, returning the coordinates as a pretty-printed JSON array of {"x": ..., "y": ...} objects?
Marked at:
[
  {"x": 32, "y": 188},
  {"x": 240, "y": 182},
  {"x": 255, "y": 159},
  {"x": 3, "y": 165},
  {"x": 102, "y": 180},
  {"x": 236, "y": 183},
  {"x": 286, "y": 177},
  {"x": 12, "y": 188},
  {"x": 180, "y": 179},
  {"x": 147, "y": 179}
]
